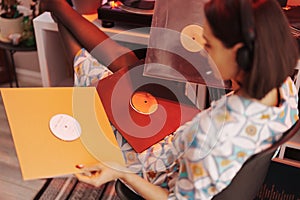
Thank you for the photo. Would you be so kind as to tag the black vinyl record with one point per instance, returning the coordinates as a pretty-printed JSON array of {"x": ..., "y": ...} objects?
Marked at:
[{"x": 140, "y": 4}]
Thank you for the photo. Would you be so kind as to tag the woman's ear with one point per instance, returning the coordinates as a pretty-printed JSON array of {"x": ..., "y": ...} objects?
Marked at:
[{"x": 237, "y": 46}]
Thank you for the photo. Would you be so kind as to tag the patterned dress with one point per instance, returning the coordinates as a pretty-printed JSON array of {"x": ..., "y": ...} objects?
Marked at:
[{"x": 202, "y": 156}]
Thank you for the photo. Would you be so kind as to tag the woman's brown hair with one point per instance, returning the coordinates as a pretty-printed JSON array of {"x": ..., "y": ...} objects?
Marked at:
[{"x": 275, "y": 52}]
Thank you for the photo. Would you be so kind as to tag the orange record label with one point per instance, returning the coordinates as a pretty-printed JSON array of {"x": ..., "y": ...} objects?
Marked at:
[{"x": 143, "y": 102}]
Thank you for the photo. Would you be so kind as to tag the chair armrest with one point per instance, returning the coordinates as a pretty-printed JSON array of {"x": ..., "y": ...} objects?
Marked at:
[{"x": 125, "y": 193}]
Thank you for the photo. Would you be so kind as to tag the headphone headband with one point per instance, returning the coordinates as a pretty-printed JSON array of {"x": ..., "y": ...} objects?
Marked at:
[{"x": 245, "y": 53}]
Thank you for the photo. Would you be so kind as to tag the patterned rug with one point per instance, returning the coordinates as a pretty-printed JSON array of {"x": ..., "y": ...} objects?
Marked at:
[{"x": 70, "y": 188}]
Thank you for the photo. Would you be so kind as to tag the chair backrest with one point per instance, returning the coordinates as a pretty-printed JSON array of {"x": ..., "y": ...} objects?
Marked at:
[{"x": 247, "y": 182}]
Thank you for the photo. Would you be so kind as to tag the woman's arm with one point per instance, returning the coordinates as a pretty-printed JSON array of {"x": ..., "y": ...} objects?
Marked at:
[
  {"x": 99, "y": 174},
  {"x": 90, "y": 36},
  {"x": 70, "y": 45}
]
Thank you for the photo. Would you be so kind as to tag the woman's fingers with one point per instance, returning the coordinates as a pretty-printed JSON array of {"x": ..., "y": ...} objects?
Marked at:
[
  {"x": 95, "y": 167},
  {"x": 90, "y": 174},
  {"x": 89, "y": 170},
  {"x": 96, "y": 174},
  {"x": 94, "y": 179}
]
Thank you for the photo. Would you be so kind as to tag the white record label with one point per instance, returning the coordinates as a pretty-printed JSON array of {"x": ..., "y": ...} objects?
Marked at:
[{"x": 65, "y": 127}]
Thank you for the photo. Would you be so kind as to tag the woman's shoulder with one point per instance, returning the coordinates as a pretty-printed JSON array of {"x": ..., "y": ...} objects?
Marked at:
[{"x": 288, "y": 88}]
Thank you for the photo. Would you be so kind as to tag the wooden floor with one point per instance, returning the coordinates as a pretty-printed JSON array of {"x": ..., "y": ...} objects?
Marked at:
[{"x": 12, "y": 186}]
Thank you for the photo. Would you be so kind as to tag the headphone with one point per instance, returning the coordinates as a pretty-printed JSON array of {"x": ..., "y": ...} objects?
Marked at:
[{"x": 245, "y": 53}]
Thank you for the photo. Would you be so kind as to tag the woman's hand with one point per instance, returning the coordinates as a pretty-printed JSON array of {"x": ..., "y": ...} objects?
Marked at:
[{"x": 98, "y": 174}]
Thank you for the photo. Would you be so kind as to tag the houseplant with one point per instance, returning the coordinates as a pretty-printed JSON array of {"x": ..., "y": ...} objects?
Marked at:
[
  {"x": 10, "y": 19},
  {"x": 10, "y": 9}
]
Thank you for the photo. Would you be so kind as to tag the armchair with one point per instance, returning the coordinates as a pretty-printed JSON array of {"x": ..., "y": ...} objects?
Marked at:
[{"x": 247, "y": 182}]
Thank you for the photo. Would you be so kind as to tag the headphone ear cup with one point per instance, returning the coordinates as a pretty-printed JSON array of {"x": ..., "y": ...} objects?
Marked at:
[{"x": 243, "y": 58}]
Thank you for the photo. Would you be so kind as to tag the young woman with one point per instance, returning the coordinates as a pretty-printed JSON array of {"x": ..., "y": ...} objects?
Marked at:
[{"x": 251, "y": 45}]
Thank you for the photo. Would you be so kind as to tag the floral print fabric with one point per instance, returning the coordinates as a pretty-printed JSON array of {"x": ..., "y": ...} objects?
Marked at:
[
  {"x": 202, "y": 156},
  {"x": 88, "y": 71}
]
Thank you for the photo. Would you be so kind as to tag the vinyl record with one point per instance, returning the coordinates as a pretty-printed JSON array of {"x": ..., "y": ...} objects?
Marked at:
[
  {"x": 140, "y": 4},
  {"x": 176, "y": 42},
  {"x": 136, "y": 10}
]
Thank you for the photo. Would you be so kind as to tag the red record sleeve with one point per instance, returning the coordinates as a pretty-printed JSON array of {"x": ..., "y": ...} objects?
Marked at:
[{"x": 143, "y": 130}]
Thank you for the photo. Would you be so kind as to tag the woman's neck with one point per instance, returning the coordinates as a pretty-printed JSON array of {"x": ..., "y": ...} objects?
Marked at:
[{"x": 270, "y": 99}]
